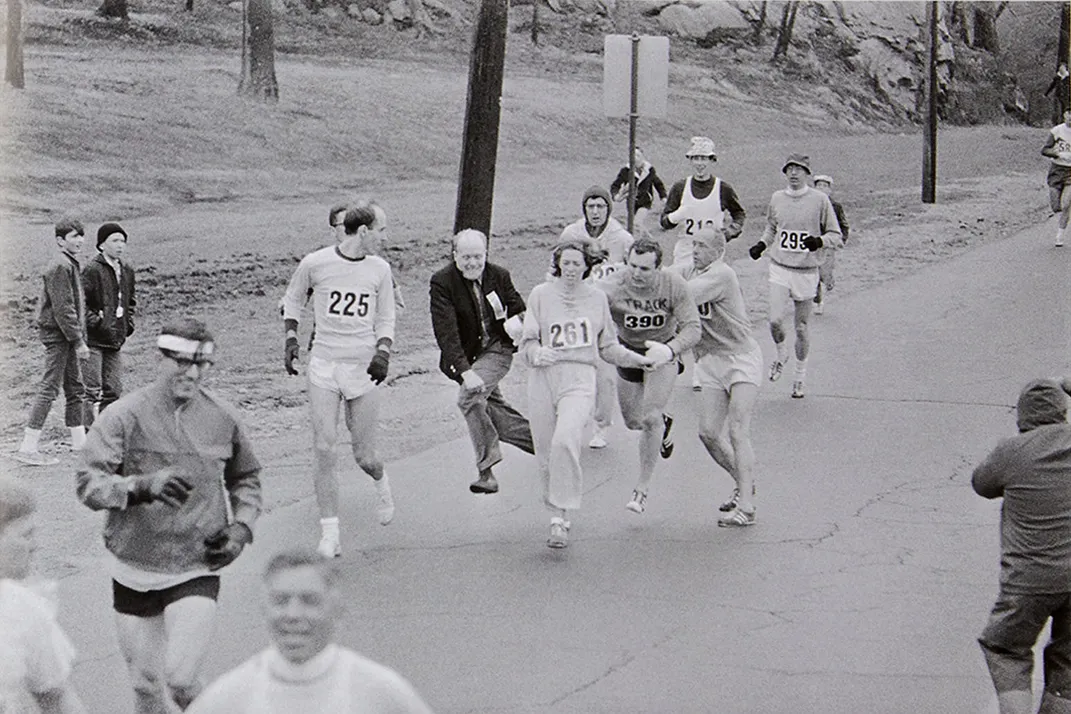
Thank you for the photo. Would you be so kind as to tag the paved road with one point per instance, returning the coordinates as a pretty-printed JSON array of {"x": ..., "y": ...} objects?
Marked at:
[{"x": 862, "y": 588}]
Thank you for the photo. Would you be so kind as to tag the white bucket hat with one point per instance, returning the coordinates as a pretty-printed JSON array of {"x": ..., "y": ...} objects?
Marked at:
[{"x": 701, "y": 146}]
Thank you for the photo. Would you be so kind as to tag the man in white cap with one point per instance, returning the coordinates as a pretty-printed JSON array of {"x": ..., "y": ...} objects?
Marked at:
[
  {"x": 353, "y": 306},
  {"x": 800, "y": 227},
  {"x": 824, "y": 183},
  {"x": 701, "y": 201},
  {"x": 173, "y": 469}
]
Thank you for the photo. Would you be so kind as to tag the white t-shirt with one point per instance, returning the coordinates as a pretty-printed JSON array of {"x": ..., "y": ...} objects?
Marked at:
[
  {"x": 35, "y": 656},
  {"x": 337, "y": 680},
  {"x": 353, "y": 303}
]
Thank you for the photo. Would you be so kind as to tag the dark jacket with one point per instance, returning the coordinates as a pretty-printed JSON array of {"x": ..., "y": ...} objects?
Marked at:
[
  {"x": 104, "y": 330},
  {"x": 839, "y": 211},
  {"x": 61, "y": 317},
  {"x": 645, "y": 189},
  {"x": 454, "y": 318}
]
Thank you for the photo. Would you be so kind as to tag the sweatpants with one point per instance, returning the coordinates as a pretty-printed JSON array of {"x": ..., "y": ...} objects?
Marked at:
[{"x": 560, "y": 400}]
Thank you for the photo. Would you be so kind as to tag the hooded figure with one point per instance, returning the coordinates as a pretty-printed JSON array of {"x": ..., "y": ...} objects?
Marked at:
[
  {"x": 598, "y": 228},
  {"x": 1032, "y": 473}
]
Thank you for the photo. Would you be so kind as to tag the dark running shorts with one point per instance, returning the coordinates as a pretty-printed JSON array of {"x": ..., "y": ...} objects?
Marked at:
[
  {"x": 153, "y": 602},
  {"x": 1059, "y": 176}
]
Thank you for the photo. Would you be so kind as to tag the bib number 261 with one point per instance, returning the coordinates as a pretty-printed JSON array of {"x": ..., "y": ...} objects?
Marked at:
[{"x": 570, "y": 334}]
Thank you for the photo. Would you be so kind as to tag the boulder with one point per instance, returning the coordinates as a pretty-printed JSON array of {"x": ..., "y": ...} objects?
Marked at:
[
  {"x": 354, "y": 10},
  {"x": 236, "y": 5},
  {"x": 331, "y": 12},
  {"x": 695, "y": 22},
  {"x": 372, "y": 17},
  {"x": 399, "y": 9}
]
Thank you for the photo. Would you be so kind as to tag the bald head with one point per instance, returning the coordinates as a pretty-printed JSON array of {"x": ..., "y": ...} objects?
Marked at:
[
  {"x": 708, "y": 245},
  {"x": 470, "y": 253}
]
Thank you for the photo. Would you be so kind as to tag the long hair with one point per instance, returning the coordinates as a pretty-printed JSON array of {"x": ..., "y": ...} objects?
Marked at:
[{"x": 591, "y": 258}]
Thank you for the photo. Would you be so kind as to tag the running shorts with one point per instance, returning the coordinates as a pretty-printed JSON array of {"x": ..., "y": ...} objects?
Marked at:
[
  {"x": 127, "y": 601},
  {"x": 722, "y": 371},
  {"x": 802, "y": 284},
  {"x": 347, "y": 379}
]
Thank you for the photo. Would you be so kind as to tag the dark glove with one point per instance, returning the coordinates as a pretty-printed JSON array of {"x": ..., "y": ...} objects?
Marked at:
[
  {"x": 129, "y": 326},
  {"x": 812, "y": 243},
  {"x": 291, "y": 355},
  {"x": 757, "y": 250},
  {"x": 163, "y": 486},
  {"x": 377, "y": 368},
  {"x": 225, "y": 546}
]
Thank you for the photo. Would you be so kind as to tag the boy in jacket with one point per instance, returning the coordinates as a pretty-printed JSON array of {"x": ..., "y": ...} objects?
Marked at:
[
  {"x": 61, "y": 326},
  {"x": 109, "y": 293}
]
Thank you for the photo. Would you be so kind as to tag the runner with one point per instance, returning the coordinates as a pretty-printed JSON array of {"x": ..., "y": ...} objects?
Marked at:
[
  {"x": 826, "y": 281},
  {"x": 353, "y": 305},
  {"x": 701, "y": 200},
  {"x": 567, "y": 327},
  {"x": 172, "y": 467},
  {"x": 1058, "y": 148},
  {"x": 654, "y": 315},
  {"x": 598, "y": 229},
  {"x": 800, "y": 227},
  {"x": 729, "y": 368}
]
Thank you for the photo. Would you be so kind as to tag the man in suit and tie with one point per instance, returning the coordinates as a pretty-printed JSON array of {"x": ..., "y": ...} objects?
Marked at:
[{"x": 476, "y": 313}]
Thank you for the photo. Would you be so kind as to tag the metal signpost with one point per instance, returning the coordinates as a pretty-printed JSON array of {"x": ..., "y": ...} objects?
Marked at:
[{"x": 635, "y": 83}]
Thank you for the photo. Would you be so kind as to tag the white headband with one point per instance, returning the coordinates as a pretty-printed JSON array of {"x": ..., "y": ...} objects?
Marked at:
[{"x": 199, "y": 351}]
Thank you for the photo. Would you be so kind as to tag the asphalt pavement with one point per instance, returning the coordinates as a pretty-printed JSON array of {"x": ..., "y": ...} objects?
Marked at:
[{"x": 862, "y": 588}]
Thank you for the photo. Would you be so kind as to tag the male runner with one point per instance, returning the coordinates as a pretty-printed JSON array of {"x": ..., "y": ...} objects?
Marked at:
[
  {"x": 826, "y": 279},
  {"x": 701, "y": 200},
  {"x": 1058, "y": 148},
  {"x": 800, "y": 227},
  {"x": 353, "y": 305},
  {"x": 729, "y": 370},
  {"x": 654, "y": 315}
]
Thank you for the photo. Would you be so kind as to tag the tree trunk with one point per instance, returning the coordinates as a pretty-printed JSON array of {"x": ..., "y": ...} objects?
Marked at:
[
  {"x": 784, "y": 36},
  {"x": 189, "y": 5},
  {"x": 13, "y": 72},
  {"x": 535, "y": 22},
  {"x": 113, "y": 8},
  {"x": 760, "y": 26},
  {"x": 258, "y": 51}
]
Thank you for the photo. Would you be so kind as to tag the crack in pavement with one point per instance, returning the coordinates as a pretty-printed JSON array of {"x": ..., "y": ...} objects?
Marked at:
[{"x": 912, "y": 400}]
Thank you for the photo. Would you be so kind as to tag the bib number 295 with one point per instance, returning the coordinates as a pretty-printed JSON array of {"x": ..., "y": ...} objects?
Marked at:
[
  {"x": 348, "y": 304},
  {"x": 570, "y": 334}
]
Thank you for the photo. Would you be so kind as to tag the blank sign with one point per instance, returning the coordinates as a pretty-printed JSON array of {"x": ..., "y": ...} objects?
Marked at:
[{"x": 652, "y": 77}]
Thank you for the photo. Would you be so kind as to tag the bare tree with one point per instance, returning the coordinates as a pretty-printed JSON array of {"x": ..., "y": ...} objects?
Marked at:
[
  {"x": 258, "y": 51},
  {"x": 189, "y": 5},
  {"x": 113, "y": 8},
  {"x": 784, "y": 35},
  {"x": 13, "y": 72},
  {"x": 760, "y": 26}
]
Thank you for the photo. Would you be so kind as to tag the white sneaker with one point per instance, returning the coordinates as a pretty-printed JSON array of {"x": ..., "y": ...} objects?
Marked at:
[
  {"x": 385, "y": 505},
  {"x": 329, "y": 547},
  {"x": 819, "y": 308},
  {"x": 598, "y": 439},
  {"x": 638, "y": 503},
  {"x": 35, "y": 458},
  {"x": 797, "y": 389},
  {"x": 559, "y": 533},
  {"x": 1059, "y": 242}
]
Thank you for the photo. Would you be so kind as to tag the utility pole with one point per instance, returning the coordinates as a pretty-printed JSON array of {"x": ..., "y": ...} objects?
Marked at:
[
  {"x": 633, "y": 114},
  {"x": 479, "y": 147},
  {"x": 929, "y": 149}
]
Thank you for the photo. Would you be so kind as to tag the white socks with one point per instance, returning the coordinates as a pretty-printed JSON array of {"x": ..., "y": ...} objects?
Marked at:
[
  {"x": 31, "y": 439},
  {"x": 78, "y": 438},
  {"x": 382, "y": 484},
  {"x": 782, "y": 351},
  {"x": 801, "y": 370}
]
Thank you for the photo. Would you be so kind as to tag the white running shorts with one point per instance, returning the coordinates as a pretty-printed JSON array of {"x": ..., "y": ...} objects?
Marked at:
[
  {"x": 715, "y": 371},
  {"x": 349, "y": 379},
  {"x": 802, "y": 284}
]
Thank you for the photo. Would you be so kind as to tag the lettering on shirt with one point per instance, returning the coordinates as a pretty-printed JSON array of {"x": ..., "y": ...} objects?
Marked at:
[{"x": 659, "y": 304}]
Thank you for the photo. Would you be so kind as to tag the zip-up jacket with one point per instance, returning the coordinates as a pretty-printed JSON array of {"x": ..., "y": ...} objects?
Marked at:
[{"x": 105, "y": 293}]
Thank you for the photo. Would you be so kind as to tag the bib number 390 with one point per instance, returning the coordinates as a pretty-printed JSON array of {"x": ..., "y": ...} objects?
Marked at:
[{"x": 570, "y": 334}]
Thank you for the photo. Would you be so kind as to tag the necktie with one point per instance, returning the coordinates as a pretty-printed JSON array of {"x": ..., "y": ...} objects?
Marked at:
[{"x": 478, "y": 295}]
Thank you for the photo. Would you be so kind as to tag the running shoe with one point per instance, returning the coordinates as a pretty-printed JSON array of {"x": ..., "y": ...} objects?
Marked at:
[
  {"x": 638, "y": 504},
  {"x": 666, "y": 450},
  {"x": 737, "y": 518},
  {"x": 385, "y": 504},
  {"x": 485, "y": 484},
  {"x": 559, "y": 533},
  {"x": 34, "y": 458},
  {"x": 598, "y": 439},
  {"x": 775, "y": 370},
  {"x": 732, "y": 503},
  {"x": 1059, "y": 242},
  {"x": 329, "y": 548},
  {"x": 819, "y": 308},
  {"x": 797, "y": 389}
]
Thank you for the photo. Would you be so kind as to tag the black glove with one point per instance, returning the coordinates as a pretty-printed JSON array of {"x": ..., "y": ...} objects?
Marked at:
[
  {"x": 812, "y": 243},
  {"x": 756, "y": 250},
  {"x": 225, "y": 546},
  {"x": 291, "y": 355},
  {"x": 162, "y": 486},
  {"x": 377, "y": 368}
]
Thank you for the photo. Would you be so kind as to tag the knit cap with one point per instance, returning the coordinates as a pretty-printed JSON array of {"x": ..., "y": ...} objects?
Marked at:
[
  {"x": 596, "y": 192},
  {"x": 107, "y": 230}
]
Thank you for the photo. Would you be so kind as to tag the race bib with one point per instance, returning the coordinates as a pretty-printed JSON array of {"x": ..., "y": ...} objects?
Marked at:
[
  {"x": 570, "y": 334},
  {"x": 496, "y": 305},
  {"x": 643, "y": 320},
  {"x": 691, "y": 227},
  {"x": 605, "y": 270},
  {"x": 792, "y": 241}
]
